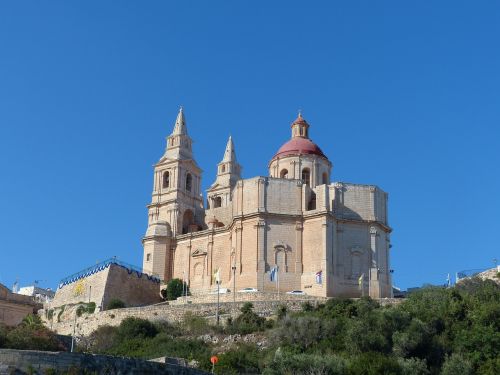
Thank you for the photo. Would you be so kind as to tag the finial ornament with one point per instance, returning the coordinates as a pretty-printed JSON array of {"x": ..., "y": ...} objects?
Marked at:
[{"x": 300, "y": 112}]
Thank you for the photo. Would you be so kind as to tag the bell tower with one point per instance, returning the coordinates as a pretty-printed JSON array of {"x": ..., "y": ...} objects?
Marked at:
[
  {"x": 228, "y": 173},
  {"x": 176, "y": 206}
]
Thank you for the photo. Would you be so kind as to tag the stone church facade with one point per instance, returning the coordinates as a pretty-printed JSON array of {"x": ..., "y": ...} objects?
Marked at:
[{"x": 326, "y": 239}]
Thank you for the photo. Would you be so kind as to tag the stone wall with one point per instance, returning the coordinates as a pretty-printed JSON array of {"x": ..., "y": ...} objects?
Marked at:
[
  {"x": 343, "y": 236},
  {"x": 37, "y": 362},
  {"x": 173, "y": 313},
  {"x": 114, "y": 281},
  {"x": 14, "y": 307}
]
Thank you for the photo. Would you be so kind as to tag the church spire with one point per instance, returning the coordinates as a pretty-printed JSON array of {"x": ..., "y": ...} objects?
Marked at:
[
  {"x": 180, "y": 123},
  {"x": 229, "y": 154},
  {"x": 179, "y": 144}
]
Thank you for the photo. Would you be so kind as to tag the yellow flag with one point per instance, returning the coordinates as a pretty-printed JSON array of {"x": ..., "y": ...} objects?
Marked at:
[
  {"x": 217, "y": 276},
  {"x": 360, "y": 280}
]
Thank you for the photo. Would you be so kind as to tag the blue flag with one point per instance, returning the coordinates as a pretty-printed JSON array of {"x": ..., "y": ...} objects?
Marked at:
[
  {"x": 272, "y": 275},
  {"x": 319, "y": 278}
]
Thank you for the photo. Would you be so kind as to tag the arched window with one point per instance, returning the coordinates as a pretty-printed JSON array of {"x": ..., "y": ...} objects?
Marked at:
[
  {"x": 217, "y": 202},
  {"x": 311, "y": 205},
  {"x": 189, "y": 182},
  {"x": 306, "y": 174},
  {"x": 284, "y": 173},
  {"x": 166, "y": 180},
  {"x": 223, "y": 169},
  {"x": 355, "y": 265},
  {"x": 187, "y": 221},
  {"x": 325, "y": 178}
]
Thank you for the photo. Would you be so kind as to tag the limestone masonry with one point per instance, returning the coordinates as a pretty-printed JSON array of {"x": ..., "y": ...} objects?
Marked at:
[
  {"x": 106, "y": 281},
  {"x": 14, "y": 307},
  {"x": 293, "y": 226}
]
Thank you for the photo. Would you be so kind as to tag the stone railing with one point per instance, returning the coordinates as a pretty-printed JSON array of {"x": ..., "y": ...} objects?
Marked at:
[{"x": 37, "y": 362}]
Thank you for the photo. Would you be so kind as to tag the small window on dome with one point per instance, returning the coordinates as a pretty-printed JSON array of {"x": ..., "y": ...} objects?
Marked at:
[{"x": 284, "y": 173}]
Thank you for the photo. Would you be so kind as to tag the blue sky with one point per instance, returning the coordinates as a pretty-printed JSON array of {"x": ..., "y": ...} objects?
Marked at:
[{"x": 404, "y": 95}]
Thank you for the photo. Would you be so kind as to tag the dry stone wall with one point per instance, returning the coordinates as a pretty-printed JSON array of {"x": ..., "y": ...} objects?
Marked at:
[
  {"x": 37, "y": 362},
  {"x": 172, "y": 313}
]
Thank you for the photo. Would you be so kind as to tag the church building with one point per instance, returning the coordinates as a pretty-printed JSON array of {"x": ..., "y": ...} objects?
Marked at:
[{"x": 293, "y": 229}]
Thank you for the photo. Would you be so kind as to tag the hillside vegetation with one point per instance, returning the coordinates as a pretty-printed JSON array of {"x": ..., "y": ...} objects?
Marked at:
[{"x": 435, "y": 331}]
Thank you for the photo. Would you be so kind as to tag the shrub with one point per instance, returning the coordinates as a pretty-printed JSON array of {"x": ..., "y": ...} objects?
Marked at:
[
  {"x": 32, "y": 321},
  {"x": 373, "y": 364},
  {"x": 243, "y": 360},
  {"x": 290, "y": 363},
  {"x": 413, "y": 366},
  {"x": 32, "y": 338},
  {"x": 115, "y": 303},
  {"x": 3, "y": 336},
  {"x": 85, "y": 308},
  {"x": 301, "y": 332},
  {"x": 457, "y": 364},
  {"x": 247, "y": 322},
  {"x": 60, "y": 313},
  {"x": 307, "y": 307},
  {"x": 49, "y": 314},
  {"x": 281, "y": 312},
  {"x": 132, "y": 327},
  {"x": 175, "y": 288},
  {"x": 102, "y": 339},
  {"x": 195, "y": 324}
]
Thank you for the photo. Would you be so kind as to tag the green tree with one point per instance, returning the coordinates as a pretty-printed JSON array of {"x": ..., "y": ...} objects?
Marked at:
[
  {"x": 175, "y": 289},
  {"x": 131, "y": 328},
  {"x": 457, "y": 364}
]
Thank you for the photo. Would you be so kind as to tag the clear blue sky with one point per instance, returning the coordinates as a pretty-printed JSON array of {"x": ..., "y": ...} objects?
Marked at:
[{"x": 405, "y": 95}]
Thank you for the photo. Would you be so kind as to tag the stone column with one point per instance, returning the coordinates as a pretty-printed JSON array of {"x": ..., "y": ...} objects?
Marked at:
[
  {"x": 261, "y": 191},
  {"x": 299, "y": 228},
  {"x": 374, "y": 273},
  {"x": 239, "y": 250},
  {"x": 261, "y": 250},
  {"x": 210, "y": 250}
]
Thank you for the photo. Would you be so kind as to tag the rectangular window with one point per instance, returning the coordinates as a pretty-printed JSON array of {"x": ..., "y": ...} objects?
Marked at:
[{"x": 148, "y": 257}]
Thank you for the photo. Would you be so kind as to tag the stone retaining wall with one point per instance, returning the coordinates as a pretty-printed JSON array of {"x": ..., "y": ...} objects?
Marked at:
[
  {"x": 174, "y": 313},
  {"x": 87, "y": 323},
  {"x": 37, "y": 362}
]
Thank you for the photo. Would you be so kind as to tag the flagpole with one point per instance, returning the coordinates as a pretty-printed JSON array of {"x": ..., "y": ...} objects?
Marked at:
[
  {"x": 278, "y": 281},
  {"x": 218, "y": 295}
]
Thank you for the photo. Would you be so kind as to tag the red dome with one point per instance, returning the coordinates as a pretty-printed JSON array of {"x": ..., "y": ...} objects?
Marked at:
[{"x": 297, "y": 146}]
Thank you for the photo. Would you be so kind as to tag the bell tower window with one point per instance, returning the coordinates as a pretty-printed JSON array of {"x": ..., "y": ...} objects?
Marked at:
[
  {"x": 166, "y": 180},
  {"x": 217, "y": 202},
  {"x": 306, "y": 174},
  {"x": 325, "y": 178},
  {"x": 284, "y": 173},
  {"x": 189, "y": 182}
]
